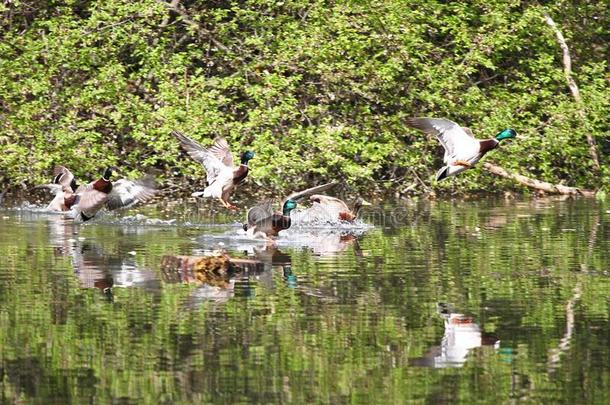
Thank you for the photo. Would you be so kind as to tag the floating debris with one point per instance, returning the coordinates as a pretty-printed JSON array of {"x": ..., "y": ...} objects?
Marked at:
[{"x": 215, "y": 269}]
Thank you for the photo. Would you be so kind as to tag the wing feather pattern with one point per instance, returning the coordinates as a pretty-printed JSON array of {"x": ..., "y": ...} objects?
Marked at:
[
  {"x": 213, "y": 160},
  {"x": 126, "y": 193},
  {"x": 459, "y": 144},
  {"x": 296, "y": 196}
]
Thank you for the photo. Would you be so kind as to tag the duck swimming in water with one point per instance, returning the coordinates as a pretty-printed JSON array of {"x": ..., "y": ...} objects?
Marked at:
[
  {"x": 263, "y": 221},
  {"x": 326, "y": 208}
]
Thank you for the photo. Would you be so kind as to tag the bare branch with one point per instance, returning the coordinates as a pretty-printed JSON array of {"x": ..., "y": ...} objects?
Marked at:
[{"x": 567, "y": 70}]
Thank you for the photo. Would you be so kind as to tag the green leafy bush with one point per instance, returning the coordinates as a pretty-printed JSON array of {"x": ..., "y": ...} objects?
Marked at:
[{"x": 318, "y": 90}]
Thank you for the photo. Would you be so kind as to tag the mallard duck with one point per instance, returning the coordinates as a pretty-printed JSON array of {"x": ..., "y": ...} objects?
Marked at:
[
  {"x": 262, "y": 220},
  {"x": 217, "y": 160},
  {"x": 87, "y": 200},
  {"x": 462, "y": 149},
  {"x": 333, "y": 209}
]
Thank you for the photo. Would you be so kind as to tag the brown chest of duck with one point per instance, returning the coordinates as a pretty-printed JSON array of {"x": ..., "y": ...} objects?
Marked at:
[
  {"x": 280, "y": 221},
  {"x": 486, "y": 145},
  {"x": 104, "y": 184},
  {"x": 242, "y": 171},
  {"x": 262, "y": 220}
]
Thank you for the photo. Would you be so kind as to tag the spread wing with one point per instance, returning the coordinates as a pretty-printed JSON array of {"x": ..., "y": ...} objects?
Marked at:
[
  {"x": 260, "y": 212},
  {"x": 302, "y": 194},
  {"x": 221, "y": 150},
  {"x": 126, "y": 193},
  {"x": 210, "y": 161},
  {"x": 90, "y": 200},
  {"x": 468, "y": 131},
  {"x": 63, "y": 177},
  {"x": 458, "y": 143},
  {"x": 330, "y": 203}
]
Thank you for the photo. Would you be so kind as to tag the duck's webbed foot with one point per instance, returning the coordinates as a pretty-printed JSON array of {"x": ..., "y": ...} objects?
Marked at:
[{"x": 228, "y": 205}]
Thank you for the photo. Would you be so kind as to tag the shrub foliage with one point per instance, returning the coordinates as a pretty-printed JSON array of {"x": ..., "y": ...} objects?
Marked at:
[{"x": 319, "y": 90}]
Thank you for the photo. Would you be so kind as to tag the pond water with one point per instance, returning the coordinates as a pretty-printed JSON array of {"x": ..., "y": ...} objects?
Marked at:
[{"x": 482, "y": 301}]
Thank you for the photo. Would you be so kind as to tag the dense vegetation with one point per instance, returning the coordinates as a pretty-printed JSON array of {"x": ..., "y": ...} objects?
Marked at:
[{"x": 319, "y": 90}]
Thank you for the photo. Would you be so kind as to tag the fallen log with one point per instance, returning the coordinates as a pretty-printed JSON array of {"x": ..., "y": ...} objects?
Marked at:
[{"x": 537, "y": 184}]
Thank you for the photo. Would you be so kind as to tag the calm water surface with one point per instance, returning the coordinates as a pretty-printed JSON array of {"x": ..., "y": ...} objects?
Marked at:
[{"x": 487, "y": 302}]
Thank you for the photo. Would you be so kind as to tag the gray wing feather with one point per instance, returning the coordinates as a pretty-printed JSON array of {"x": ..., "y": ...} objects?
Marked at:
[
  {"x": 90, "y": 200},
  {"x": 296, "y": 196},
  {"x": 126, "y": 193},
  {"x": 458, "y": 143},
  {"x": 260, "y": 212},
  {"x": 212, "y": 164},
  {"x": 221, "y": 150}
]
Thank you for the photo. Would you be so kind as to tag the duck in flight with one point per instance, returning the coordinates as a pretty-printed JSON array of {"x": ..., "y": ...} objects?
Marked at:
[
  {"x": 222, "y": 175},
  {"x": 462, "y": 149}
]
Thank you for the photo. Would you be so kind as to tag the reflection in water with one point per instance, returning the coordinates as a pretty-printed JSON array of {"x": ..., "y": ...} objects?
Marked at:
[
  {"x": 327, "y": 318},
  {"x": 321, "y": 241},
  {"x": 95, "y": 267},
  {"x": 255, "y": 270},
  {"x": 462, "y": 335}
]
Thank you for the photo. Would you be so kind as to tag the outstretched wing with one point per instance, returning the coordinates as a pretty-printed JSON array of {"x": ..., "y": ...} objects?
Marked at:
[
  {"x": 458, "y": 143},
  {"x": 126, "y": 193},
  {"x": 63, "y": 177},
  {"x": 53, "y": 188},
  {"x": 89, "y": 200},
  {"x": 468, "y": 131},
  {"x": 328, "y": 202},
  {"x": 213, "y": 165},
  {"x": 305, "y": 193},
  {"x": 221, "y": 150},
  {"x": 260, "y": 212}
]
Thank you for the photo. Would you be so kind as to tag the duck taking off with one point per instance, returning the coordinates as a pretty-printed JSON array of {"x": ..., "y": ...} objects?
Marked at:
[
  {"x": 462, "y": 149},
  {"x": 326, "y": 208},
  {"x": 263, "y": 221},
  {"x": 222, "y": 175},
  {"x": 87, "y": 200}
]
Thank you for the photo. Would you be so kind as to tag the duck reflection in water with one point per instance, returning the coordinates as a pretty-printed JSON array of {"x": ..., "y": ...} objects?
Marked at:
[
  {"x": 94, "y": 265},
  {"x": 462, "y": 335}
]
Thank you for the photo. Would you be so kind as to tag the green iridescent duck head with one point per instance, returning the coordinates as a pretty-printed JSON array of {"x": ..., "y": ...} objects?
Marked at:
[{"x": 506, "y": 134}]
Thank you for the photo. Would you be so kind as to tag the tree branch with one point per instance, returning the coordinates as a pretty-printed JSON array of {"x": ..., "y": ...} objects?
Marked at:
[
  {"x": 203, "y": 33},
  {"x": 567, "y": 70},
  {"x": 537, "y": 184}
]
